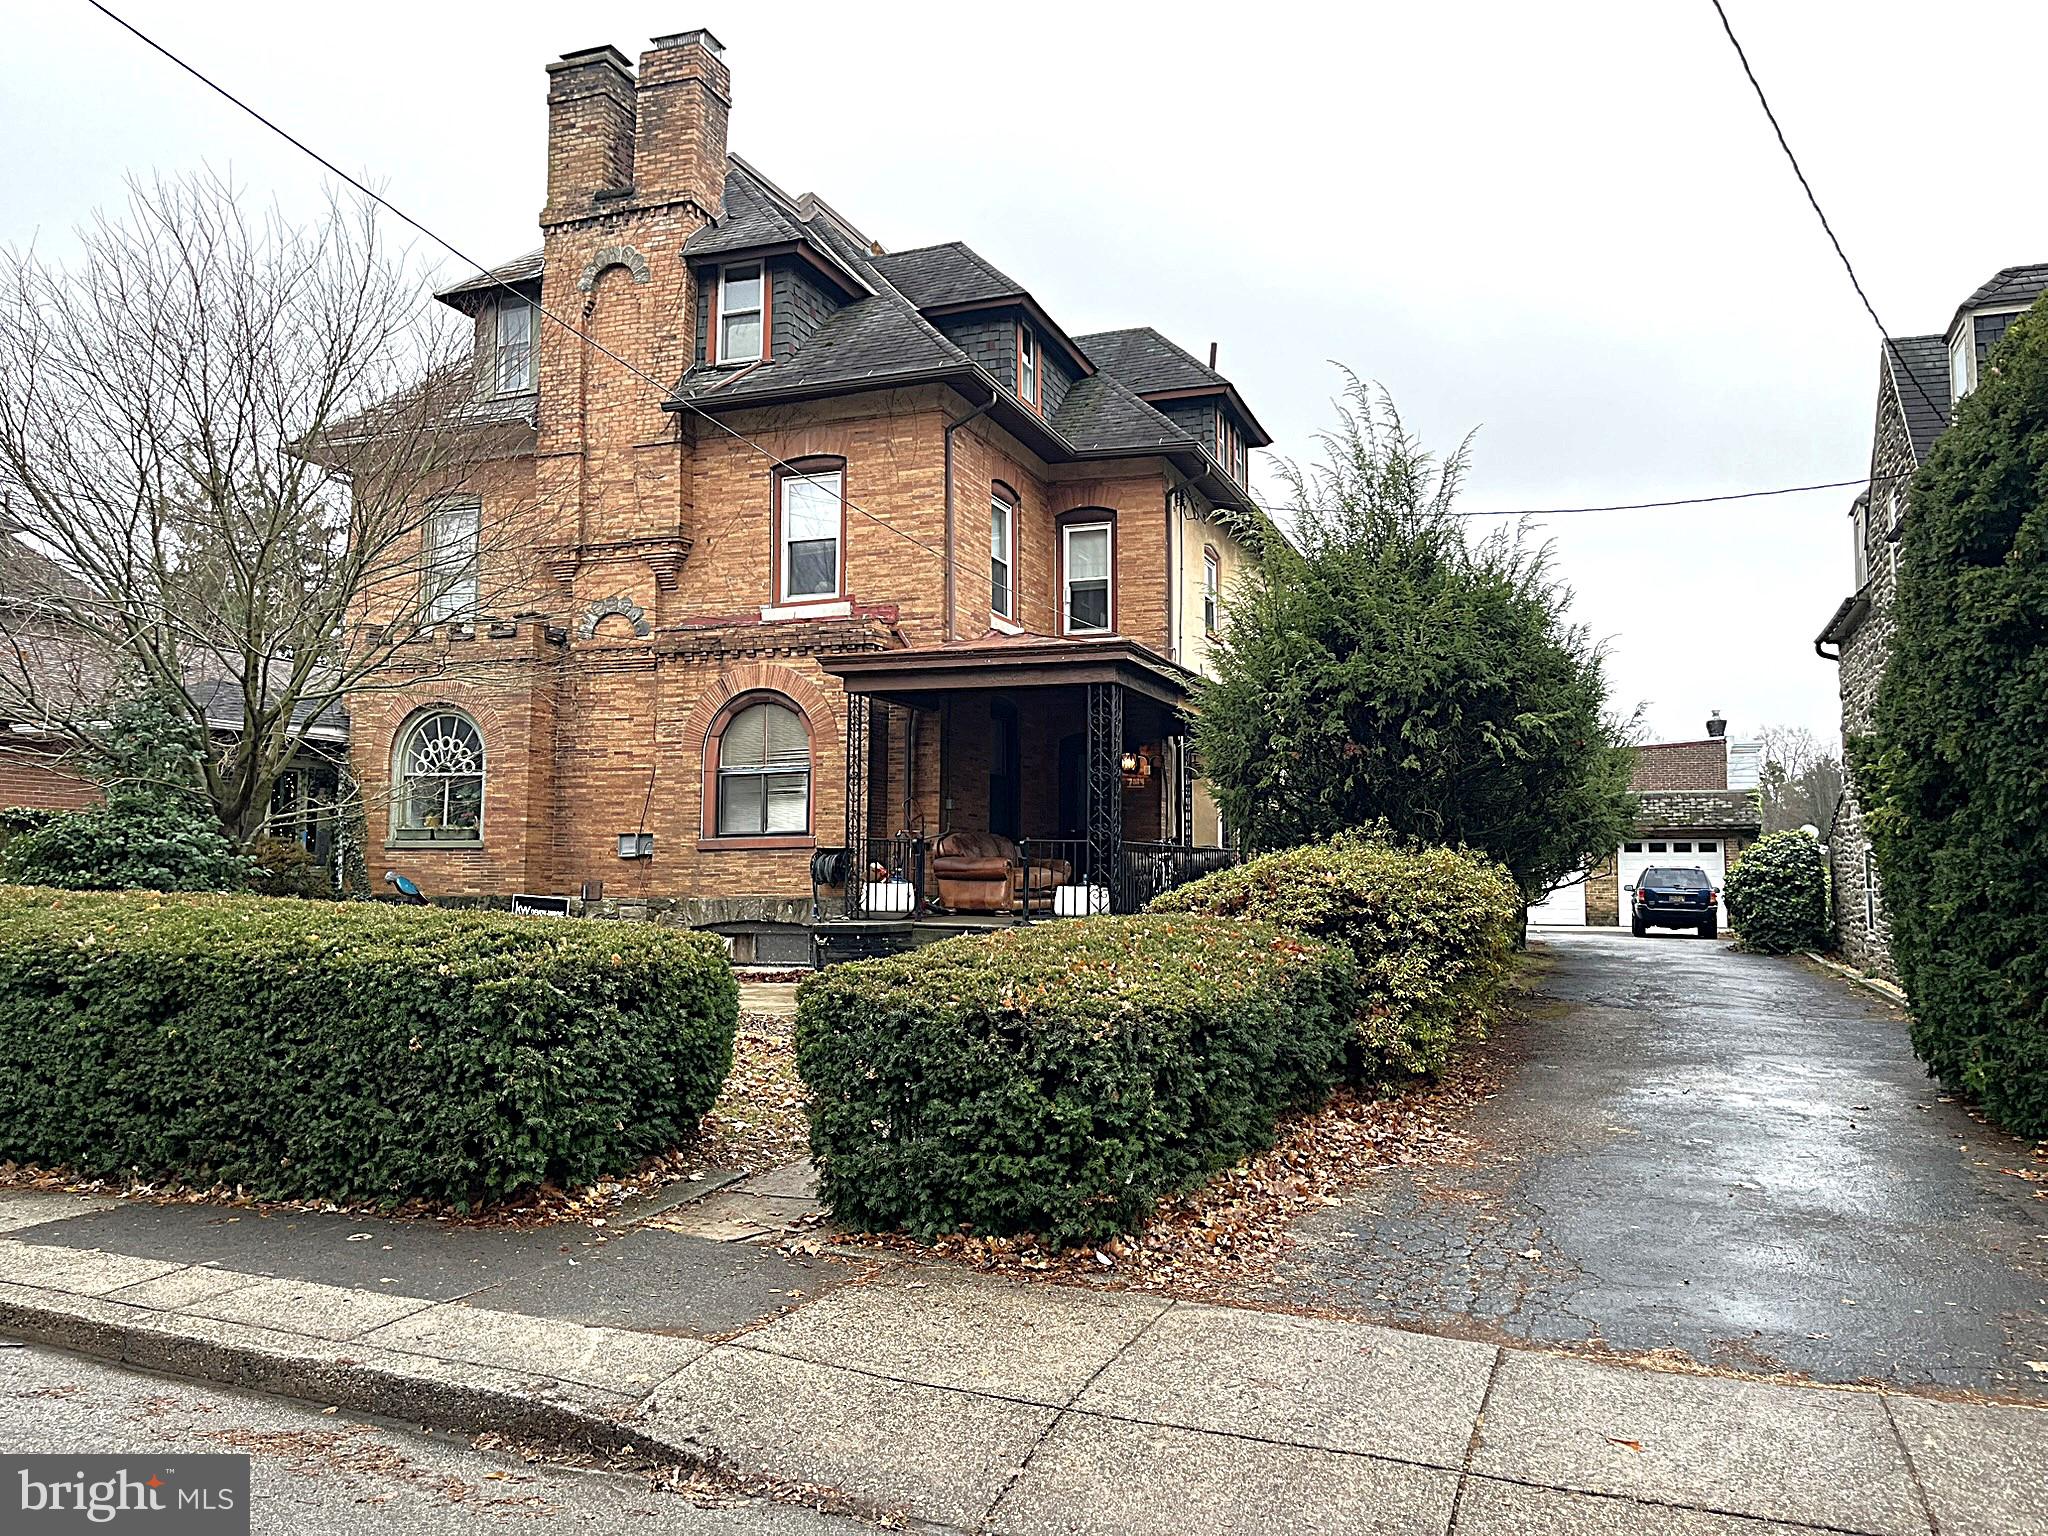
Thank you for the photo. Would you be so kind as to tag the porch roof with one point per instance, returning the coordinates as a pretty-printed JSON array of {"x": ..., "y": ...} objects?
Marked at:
[{"x": 1012, "y": 661}]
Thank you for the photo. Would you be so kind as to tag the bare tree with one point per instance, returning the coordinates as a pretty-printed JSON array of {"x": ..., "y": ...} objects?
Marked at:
[
  {"x": 243, "y": 457},
  {"x": 1801, "y": 780}
]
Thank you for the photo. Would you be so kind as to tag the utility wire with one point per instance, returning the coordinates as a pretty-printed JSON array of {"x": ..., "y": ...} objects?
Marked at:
[
  {"x": 1637, "y": 506},
  {"x": 775, "y": 460},
  {"x": 1940, "y": 411}
]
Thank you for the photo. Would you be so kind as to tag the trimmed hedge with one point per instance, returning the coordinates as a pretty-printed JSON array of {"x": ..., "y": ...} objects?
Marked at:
[
  {"x": 1432, "y": 930},
  {"x": 1778, "y": 895},
  {"x": 349, "y": 1052},
  {"x": 1059, "y": 1079}
]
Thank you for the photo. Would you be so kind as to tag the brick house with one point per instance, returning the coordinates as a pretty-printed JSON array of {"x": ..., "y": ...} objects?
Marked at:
[
  {"x": 1696, "y": 804},
  {"x": 840, "y": 549},
  {"x": 1919, "y": 379},
  {"x": 33, "y": 772}
]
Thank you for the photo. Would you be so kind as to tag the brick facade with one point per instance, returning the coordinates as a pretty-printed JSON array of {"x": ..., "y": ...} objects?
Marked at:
[
  {"x": 1681, "y": 765},
  {"x": 644, "y": 605},
  {"x": 32, "y": 775}
]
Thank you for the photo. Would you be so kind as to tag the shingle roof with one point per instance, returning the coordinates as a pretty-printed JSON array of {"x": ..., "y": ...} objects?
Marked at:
[
  {"x": 753, "y": 217},
  {"x": 873, "y": 339},
  {"x": 1679, "y": 810},
  {"x": 934, "y": 276},
  {"x": 1148, "y": 362},
  {"x": 1102, "y": 415},
  {"x": 519, "y": 270},
  {"x": 1921, "y": 385},
  {"x": 2006, "y": 287},
  {"x": 1152, "y": 365}
]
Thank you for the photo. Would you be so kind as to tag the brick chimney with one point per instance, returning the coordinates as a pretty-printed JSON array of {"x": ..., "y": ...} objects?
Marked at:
[
  {"x": 590, "y": 130},
  {"x": 684, "y": 100}
]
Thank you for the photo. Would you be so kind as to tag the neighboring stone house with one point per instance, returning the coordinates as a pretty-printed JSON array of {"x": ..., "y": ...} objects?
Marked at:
[
  {"x": 842, "y": 548},
  {"x": 1919, "y": 379},
  {"x": 1697, "y": 804}
]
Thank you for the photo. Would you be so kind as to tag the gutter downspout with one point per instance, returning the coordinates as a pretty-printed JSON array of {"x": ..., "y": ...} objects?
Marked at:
[{"x": 952, "y": 427}]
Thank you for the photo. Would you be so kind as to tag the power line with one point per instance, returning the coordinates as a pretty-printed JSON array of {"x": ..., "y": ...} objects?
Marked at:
[
  {"x": 1641, "y": 506},
  {"x": 1940, "y": 411},
  {"x": 775, "y": 460},
  {"x": 661, "y": 390}
]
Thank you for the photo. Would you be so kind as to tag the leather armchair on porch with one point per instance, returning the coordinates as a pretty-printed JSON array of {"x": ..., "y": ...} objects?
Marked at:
[{"x": 984, "y": 872}]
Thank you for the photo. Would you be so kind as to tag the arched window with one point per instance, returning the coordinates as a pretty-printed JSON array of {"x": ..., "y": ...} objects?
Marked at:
[
  {"x": 763, "y": 777},
  {"x": 439, "y": 768}
]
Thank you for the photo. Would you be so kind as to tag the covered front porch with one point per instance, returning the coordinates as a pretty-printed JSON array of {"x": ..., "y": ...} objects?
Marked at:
[{"x": 1011, "y": 780}]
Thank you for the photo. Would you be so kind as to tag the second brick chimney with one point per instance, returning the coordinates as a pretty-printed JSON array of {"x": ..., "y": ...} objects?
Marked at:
[
  {"x": 682, "y": 105},
  {"x": 590, "y": 130}
]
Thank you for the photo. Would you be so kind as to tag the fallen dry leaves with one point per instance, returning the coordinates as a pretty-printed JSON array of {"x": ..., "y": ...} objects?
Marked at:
[{"x": 1223, "y": 1238}]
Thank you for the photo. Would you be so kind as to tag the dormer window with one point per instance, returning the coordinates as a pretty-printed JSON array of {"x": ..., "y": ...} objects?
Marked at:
[
  {"x": 514, "y": 358},
  {"x": 1027, "y": 368},
  {"x": 741, "y": 335},
  {"x": 1962, "y": 353},
  {"x": 1230, "y": 447}
]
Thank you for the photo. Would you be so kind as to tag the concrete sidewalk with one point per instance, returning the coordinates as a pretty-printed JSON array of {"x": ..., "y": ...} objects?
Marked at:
[{"x": 979, "y": 1405}]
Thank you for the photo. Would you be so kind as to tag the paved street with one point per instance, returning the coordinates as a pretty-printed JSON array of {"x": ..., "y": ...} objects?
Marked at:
[
  {"x": 1728, "y": 1155},
  {"x": 317, "y": 1474}
]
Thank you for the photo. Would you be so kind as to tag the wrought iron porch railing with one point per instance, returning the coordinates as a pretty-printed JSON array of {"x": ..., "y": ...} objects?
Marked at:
[{"x": 889, "y": 879}]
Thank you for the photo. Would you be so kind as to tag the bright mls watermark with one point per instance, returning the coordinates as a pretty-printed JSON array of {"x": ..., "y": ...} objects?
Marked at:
[{"x": 163, "y": 1495}]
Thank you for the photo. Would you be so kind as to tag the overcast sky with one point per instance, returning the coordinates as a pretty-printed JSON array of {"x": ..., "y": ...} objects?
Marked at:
[{"x": 1565, "y": 224}]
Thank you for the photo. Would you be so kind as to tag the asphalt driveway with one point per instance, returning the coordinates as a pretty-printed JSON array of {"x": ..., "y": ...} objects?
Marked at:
[{"x": 1728, "y": 1155}]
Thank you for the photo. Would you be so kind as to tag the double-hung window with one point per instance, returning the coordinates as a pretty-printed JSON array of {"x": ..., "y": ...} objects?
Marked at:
[
  {"x": 449, "y": 538},
  {"x": 514, "y": 370},
  {"x": 740, "y": 333},
  {"x": 1002, "y": 554},
  {"x": 1027, "y": 367},
  {"x": 1087, "y": 559},
  {"x": 1961, "y": 355},
  {"x": 1212, "y": 590},
  {"x": 811, "y": 518},
  {"x": 764, "y": 773}
]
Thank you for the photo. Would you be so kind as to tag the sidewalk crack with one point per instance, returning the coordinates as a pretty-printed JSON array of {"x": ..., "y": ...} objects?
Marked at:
[
  {"x": 1060, "y": 1414},
  {"x": 1500, "y": 1355},
  {"x": 1884, "y": 1400}
]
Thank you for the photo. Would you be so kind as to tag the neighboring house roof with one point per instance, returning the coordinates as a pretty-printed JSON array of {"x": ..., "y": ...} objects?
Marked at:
[
  {"x": 2005, "y": 288},
  {"x": 1680, "y": 810},
  {"x": 221, "y": 699},
  {"x": 1917, "y": 367},
  {"x": 1668, "y": 765},
  {"x": 1152, "y": 365}
]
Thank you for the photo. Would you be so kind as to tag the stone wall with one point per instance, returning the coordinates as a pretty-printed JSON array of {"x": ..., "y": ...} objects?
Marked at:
[{"x": 1862, "y": 927}]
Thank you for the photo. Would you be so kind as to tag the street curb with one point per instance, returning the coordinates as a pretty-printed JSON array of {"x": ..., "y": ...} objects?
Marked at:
[
  {"x": 1849, "y": 973},
  {"x": 363, "y": 1378}
]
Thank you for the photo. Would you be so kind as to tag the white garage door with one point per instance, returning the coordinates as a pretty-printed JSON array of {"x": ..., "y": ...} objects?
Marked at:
[
  {"x": 1676, "y": 852},
  {"x": 1564, "y": 907}
]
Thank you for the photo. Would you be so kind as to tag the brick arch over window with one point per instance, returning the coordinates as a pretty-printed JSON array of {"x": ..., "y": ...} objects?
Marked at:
[{"x": 753, "y": 683}]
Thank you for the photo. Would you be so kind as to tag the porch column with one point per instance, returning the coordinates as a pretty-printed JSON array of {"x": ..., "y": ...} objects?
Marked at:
[
  {"x": 1186, "y": 755},
  {"x": 856, "y": 800},
  {"x": 1104, "y": 771}
]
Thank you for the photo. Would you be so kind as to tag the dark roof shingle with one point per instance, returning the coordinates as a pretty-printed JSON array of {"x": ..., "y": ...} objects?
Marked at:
[
  {"x": 935, "y": 276},
  {"x": 1918, "y": 369},
  {"x": 518, "y": 272}
]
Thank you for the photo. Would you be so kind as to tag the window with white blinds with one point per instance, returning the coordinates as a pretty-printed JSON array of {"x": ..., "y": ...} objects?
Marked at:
[{"x": 764, "y": 773}]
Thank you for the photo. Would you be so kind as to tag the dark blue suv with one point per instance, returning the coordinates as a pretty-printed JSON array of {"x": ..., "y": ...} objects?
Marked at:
[{"x": 1673, "y": 897}]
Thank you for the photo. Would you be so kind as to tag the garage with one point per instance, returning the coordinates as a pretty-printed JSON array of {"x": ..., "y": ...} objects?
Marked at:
[
  {"x": 1564, "y": 907},
  {"x": 1707, "y": 853}
]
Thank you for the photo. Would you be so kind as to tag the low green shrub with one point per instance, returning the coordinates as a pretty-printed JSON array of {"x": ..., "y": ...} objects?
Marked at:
[
  {"x": 1059, "y": 1079},
  {"x": 162, "y": 842},
  {"x": 309, "y": 1050},
  {"x": 281, "y": 868},
  {"x": 1777, "y": 895},
  {"x": 1431, "y": 928}
]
